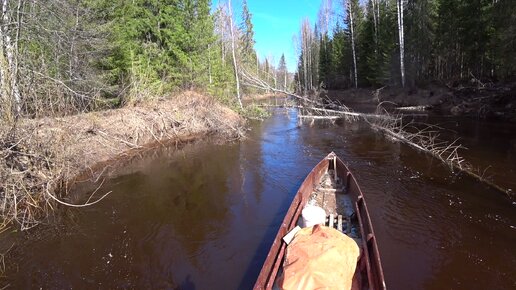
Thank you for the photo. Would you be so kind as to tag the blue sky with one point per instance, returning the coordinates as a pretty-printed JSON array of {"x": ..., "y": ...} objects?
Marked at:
[{"x": 275, "y": 24}]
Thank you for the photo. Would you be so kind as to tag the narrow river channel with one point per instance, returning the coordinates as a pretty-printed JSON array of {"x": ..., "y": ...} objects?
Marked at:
[{"x": 204, "y": 216}]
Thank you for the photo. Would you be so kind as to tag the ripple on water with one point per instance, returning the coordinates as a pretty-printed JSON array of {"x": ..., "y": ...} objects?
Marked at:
[{"x": 205, "y": 217}]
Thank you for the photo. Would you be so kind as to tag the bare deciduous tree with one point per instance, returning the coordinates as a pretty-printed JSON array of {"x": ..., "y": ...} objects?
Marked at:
[
  {"x": 235, "y": 66},
  {"x": 10, "y": 26},
  {"x": 350, "y": 12},
  {"x": 402, "y": 41}
]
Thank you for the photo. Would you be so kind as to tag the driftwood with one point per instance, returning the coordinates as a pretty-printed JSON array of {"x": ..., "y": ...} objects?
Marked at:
[
  {"x": 319, "y": 117},
  {"x": 413, "y": 108},
  {"x": 424, "y": 140}
]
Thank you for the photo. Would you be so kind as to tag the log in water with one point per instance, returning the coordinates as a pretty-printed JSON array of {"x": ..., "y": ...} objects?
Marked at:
[{"x": 203, "y": 217}]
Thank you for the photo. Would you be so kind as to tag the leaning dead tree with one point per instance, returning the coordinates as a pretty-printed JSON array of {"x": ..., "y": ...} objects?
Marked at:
[
  {"x": 424, "y": 138},
  {"x": 235, "y": 66},
  {"x": 306, "y": 102}
]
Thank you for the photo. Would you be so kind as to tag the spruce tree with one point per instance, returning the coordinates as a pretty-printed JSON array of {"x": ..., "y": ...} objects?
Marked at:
[
  {"x": 283, "y": 73},
  {"x": 247, "y": 38}
]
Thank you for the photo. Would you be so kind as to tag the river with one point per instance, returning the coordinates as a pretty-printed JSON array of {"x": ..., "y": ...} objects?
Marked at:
[{"x": 204, "y": 216}]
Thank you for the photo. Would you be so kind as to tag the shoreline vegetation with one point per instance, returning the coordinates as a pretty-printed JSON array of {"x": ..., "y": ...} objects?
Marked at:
[
  {"x": 76, "y": 74},
  {"x": 41, "y": 156},
  {"x": 82, "y": 82},
  {"x": 455, "y": 56}
]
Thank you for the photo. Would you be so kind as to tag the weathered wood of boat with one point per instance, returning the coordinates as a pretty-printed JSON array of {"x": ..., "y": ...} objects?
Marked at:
[{"x": 339, "y": 194}]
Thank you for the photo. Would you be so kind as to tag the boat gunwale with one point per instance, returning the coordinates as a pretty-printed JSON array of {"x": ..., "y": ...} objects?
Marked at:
[{"x": 276, "y": 253}]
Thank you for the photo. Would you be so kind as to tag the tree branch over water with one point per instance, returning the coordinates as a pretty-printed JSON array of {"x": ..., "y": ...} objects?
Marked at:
[{"x": 422, "y": 137}]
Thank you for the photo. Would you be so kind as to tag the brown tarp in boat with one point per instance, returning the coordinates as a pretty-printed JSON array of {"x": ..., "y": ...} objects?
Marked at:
[{"x": 320, "y": 257}]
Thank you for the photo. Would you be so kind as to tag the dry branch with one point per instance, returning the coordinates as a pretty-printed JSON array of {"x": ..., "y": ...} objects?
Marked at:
[
  {"x": 320, "y": 117},
  {"x": 423, "y": 138},
  {"x": 426, "y": 140},
  {"x": 38, "y": 157}
]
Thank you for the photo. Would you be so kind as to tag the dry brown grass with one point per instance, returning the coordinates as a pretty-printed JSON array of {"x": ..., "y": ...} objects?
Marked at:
[{"x": 39, "y": 156}]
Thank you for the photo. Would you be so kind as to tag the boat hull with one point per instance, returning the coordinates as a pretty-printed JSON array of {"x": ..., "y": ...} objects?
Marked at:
[{"x": 369, "y": 263}]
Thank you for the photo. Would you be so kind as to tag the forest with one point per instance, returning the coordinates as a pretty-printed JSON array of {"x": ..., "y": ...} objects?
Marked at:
[
  {"x": 61, "y": 57},
  {"x": 408, "y": 43},
  {"x": 152, "y": 144},
  {"x": 84, "y": 82}
]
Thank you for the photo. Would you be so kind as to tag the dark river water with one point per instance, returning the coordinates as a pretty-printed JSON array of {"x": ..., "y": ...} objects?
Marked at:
[{"x": 204, "y": 216}]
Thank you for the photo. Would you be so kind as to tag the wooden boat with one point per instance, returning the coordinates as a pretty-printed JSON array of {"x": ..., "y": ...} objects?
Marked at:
[{"x": 339, "y": 194}]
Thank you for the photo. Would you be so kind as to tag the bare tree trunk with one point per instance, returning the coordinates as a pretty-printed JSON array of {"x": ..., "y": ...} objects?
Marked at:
[
  {"x": 15, "y": 85},
  {"x": 350, "y": 14},
  {"x": 402, "y": 41},
  {"x": 373, "y": 2},
  {"x": 378, "y": 12},
  {"x": 235, "y": 66},
  {"x": 285, "y": 81},
  {"x": 275, "y": 79},
  {"x": 305, "y": 57},
  {"x": 8, "y": 62},
  {"x": 209, "y": 64}
]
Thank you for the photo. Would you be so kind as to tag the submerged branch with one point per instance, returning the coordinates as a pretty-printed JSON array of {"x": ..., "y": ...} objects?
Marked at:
[{"x": 426, "y": 140}]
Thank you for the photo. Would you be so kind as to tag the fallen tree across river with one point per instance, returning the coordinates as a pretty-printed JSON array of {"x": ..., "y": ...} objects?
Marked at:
[{"x": 424, "y": 138}]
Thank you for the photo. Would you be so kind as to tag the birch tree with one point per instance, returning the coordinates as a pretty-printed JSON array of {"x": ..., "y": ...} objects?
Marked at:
[
  {"x": 10, "y": 25},
  {"x": 324, "y": 16},
  {"x": 351, "y": 21},
  {"x": 308, "y": 57},
  {"x": 375, "y": 5},
  {"x": 233, "y": 53},
  {"x": 401, "y": 41}
]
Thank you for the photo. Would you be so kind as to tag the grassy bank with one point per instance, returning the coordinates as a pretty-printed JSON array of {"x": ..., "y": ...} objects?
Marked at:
[{"x": 40, "y": 156}]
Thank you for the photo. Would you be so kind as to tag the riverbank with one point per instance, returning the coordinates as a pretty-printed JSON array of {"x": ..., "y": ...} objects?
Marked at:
[
  {"x": 496, "y": 102},
  {"x": 41, "y": 156}
]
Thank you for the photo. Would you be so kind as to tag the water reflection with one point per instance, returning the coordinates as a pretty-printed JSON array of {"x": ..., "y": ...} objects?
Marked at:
[{"x": 204, "y": 217}]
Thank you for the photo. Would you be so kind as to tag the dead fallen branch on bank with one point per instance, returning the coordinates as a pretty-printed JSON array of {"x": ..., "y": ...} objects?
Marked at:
[
  {"x": 40, "y": 158},
  {"x": 313, "y": 106},
  {"x": 413, "y": 108},
  {"x": 423, "y": 138}
]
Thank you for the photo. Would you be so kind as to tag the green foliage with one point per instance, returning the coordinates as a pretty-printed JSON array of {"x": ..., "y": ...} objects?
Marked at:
[
  {"x": 420, "y": 39},
  {"x": 503, "y": 42},
  {"x": 377, "y": 49},
  {"x": 325, "y": 59},
  {"x": 247, "y": 37},
  {"x": 340, "y": 59},
  {"x": 445, "y": 40},
  {"x": 162, "y": 45},
  {"x": 282, "y": 73}
]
